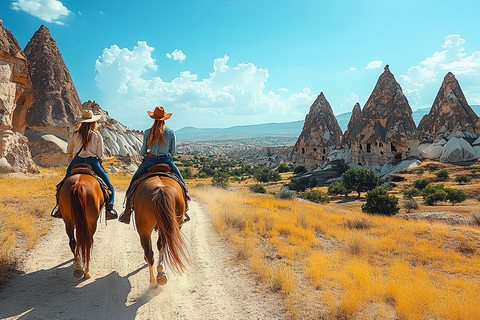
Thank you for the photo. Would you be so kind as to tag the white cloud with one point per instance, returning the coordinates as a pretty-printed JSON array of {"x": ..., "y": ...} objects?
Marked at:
[
  {"x": 283, "y": 89},
  {"x": 176, "y": 55},
  {"x": 421, "y": 82},
  {"x": 46, "y": 10},
  {"x": 374, "y": 64},
  {"x": 230, "y": 95},
  {"x": 350, "y": 101}
]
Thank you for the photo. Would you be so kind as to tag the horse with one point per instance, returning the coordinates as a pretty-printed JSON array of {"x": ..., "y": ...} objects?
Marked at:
[
  {"x": 80, "y": 201},
  {"x": 159, "y": 203}
]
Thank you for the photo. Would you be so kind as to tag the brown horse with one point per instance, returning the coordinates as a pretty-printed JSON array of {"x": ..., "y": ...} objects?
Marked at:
[
  {"x": 80, "y": 201},
  {"x": 158, "y": 202}
]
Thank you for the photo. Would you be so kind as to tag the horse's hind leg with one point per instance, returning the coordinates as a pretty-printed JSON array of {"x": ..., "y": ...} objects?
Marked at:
[
  {"x": 147, "y": 249},
  {"x": 77, "y": 266},
  {"x": 161, "y": 276}
]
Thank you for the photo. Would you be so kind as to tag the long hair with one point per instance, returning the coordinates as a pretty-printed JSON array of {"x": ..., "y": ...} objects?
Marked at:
[
  {"x": 156, "y": 133},
  {"x": 86, "y": 131}
]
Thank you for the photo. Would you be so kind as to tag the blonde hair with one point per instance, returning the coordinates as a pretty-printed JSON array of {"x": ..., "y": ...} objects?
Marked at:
[
  {"x": 156, "y": 134},
  {"x": 85, "y": 131}
]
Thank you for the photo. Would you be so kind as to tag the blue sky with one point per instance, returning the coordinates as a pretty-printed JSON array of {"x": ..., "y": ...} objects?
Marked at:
[{"x": 226, "y": 63}]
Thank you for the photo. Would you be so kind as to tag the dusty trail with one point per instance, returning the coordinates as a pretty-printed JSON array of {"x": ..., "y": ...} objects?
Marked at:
[{"x": 213, "y": 287}]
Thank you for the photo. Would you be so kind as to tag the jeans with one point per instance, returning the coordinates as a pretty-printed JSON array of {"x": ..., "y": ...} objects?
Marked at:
[
  {"x": 99, "y": 171},
  {"x": 153, "y": 161}
]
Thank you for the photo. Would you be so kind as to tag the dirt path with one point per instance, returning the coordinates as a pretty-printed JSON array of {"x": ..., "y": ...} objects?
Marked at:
[{"x": 213, "y": 287}]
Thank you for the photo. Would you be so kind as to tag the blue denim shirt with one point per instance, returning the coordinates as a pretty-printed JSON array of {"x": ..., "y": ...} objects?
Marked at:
[{"x": 159, "y": 150}]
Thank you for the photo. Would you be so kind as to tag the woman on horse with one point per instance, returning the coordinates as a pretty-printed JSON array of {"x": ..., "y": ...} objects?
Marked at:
[
  {"x": 159, "y": 143},
  {"x": 87, "y": 144}
]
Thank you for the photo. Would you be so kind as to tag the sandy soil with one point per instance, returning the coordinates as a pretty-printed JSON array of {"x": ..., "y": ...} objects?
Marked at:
[{"x": 213, "y": 287}]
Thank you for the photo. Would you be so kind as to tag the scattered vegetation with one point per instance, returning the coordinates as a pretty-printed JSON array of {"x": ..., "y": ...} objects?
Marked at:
[
  {"x": 360, "y": 180},
  {"x": 420, "y": 184},
  {"x": 338, "y": 188},
  {"x": 257, "y": 188},
  {"x": 380, "y": 202},
  {"x": 285, "y": 194},
  {"x": 420, "y": 171},
  {"x": 461, "y": 179},
  {"x": 410, "y": 204},
  {"x": 410, "y": 193},
  {"x": 316, "y": 196},
  {"x": 302, "y": 184},
  {"x": 442, "y": 174}
]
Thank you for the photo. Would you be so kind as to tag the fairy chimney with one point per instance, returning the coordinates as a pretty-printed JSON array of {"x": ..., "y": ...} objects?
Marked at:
[
  {"x": 15, "y": 99},
  {"x": 386, "y": 131},
  {"x": 450, "y": 110},
  {"x": 55, "y": 99},
  {"x": 321, "y": 133},
  {"x": 354, "y": 121}
]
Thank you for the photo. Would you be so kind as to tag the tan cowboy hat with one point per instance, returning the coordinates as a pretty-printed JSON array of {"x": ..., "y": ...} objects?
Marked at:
[
  {"x": 87, "y": 116},
  {"x": 159, "y": 114}
]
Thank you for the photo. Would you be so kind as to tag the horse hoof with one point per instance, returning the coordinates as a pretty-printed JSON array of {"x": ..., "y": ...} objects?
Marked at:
[
  {"x": 78, "y": 272},
  {"x": 162, "y": 278},
  {"x": 86, "y": 275}
]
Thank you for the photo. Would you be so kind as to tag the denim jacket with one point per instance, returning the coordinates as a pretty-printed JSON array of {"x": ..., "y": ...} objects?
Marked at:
[{"x": 160, "y": 150}]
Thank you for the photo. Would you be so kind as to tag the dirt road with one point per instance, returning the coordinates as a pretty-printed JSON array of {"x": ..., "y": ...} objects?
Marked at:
[{"x": 214, "y": 286}]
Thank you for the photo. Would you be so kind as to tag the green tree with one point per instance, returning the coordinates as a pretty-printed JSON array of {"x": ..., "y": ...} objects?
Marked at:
[
  {"x": 410, "y": 193},
  {"x": 442, "y": 174},
  {"x": 220, "y": 179},
  {"x": 455, "y": 195},
  {"x": 266, "y": 175},
  {"x": 410, "y": 204},
  {"x": 283, "y": 168},
  {"x": 434, "y": 193},
  {"x": 257, "y": 188},
  {"x": 338, "y": 188},
  {"x": 302, "y": 184},
  {"x": 186, "y": 173},
  {"x": 360, "y": 179},
  {"x": 315, "y": 196},
  {"x": 299, "y": 170},
  {"x": 421, "y": 184},
  {"x": 380, "y": 202}
]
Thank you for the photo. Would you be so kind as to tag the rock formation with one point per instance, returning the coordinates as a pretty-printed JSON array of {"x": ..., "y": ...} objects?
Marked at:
[
  {"x": 15, "y": 99},
  {"x": 386, "y": 131},
  {"x": 56, "y": 102},
  {"x": 354, "y": 119},
  {"x": 450, "y": 110},
  {"x": 321, "y": 133}
]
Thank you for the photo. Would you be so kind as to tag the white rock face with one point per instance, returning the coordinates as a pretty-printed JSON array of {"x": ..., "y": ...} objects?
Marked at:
[
  {"x": 389, "y": 169},
  {"x": 457, "y": 149}
]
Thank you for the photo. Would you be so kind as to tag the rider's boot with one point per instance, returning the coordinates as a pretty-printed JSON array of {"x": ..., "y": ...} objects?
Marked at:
[
  {"x": 125, "y": 216},
  {"x": 110, "y": 213}
]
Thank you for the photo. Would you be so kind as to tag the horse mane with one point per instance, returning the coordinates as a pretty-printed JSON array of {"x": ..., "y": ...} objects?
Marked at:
[
  {"x": 84, "y": 240},
  {"x": 168, "y": 229}
]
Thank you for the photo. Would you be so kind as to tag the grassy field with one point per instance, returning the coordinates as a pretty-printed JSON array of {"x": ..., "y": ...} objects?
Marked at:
[{"x": 329, "y": 261}]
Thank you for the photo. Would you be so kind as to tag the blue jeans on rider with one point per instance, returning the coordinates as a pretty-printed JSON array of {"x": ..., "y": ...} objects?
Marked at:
[
  {"x": 99, "y": 171},
  {"x": 151, "y": 161}
]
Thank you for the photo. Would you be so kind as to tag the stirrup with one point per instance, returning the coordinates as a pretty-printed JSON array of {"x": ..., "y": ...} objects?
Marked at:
[
  {"x": 57, "y": 214},
  {"x": 111, "y": 214},
  {"x": 125, "y": 217}
]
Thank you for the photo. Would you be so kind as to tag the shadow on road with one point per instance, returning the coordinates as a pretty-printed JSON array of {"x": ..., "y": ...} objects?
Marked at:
[{"x": 56, "y": 294}]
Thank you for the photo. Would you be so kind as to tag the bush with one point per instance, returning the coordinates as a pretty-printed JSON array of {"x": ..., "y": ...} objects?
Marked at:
[
  {"x": 434, "y": 193},
  {"x": 266, "y": 175},
  {"x": 461, "y": 179},
  {"x": 220, "y": 179},
  {"x": 301, "y": 184},
  {"x": 186, "y": 173},
  {"x": 283, "y": 168},
  {"x": 257, "y": 188},
  {"x": 410, "y": 193},
  {"x": 442, "y": 174},
  {"x": 380, "y": 202},
  {"x": 285, "y": 194},
  {"x": 420, "y": 171},
  {"x": 455, "y": 195},
  {"x": 474, "y": 171},
  {"x": 410, "y": 205},
  {"x": 420, "y": 184},
  {"x": 338, "y": 188},
  {"x": 316, "y": 196},
  {"x": 299, "y": 170},
  {"x": 360, "y": 179}
]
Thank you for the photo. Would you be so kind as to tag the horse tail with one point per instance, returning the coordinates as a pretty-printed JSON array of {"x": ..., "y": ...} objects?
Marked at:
[
  {"x": 84, "y": 239},
  {"x": 169, "y": 230}
]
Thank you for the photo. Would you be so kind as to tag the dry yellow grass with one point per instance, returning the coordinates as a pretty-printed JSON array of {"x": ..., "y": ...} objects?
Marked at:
[{"x": 350, "y": 265}]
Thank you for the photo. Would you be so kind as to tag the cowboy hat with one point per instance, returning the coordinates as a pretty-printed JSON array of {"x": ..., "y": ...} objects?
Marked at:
[
  {"x": 159, "y": 114},
  {"x": 87, "y": 116}
]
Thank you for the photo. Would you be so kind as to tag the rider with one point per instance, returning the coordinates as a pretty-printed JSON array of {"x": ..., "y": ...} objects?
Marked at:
[
  {"x": 160, "y": 140},
  {"x": 87, "y": 143}
]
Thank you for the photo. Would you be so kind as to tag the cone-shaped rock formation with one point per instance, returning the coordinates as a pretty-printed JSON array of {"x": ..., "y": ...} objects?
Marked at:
[
  {"x": 450, "y": 110},
  {"x": 355, "y": 118},
  {"x": 386, "y": 130},
  {"x": 320, "y": 134}
]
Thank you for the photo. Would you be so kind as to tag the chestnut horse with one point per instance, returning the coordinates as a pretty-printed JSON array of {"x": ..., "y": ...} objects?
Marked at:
[
  {"x": 80, "y": 201},
  {"x": 158, "y": 203}
]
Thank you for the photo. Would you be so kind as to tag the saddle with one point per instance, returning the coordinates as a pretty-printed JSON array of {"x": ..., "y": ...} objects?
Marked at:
[
  {"x": 161, "y": 169},
  {"x": 83, "y": 168}
]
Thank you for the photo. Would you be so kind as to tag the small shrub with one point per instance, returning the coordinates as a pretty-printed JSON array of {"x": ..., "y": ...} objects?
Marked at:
[
  {"x": 476, "y": 219},
  {"x": 316, "y": 196},
  {"x": 420, "y": 171},
  {"x": 257, "y": 188},
  {"x": 410, "y": 205},
  {"x": 4, "y": 170},
  {"x": 285, "y": 194},
  {"x": 302, "y": 184},
  {"x": 299, "y": 170},
  {"x": 410, "y": 193},
  {"x": 442, "y": 174},
  {"x": 358, "y": 223},
  {"x": 461, "y": 179},
  {"x": 455, "y": 195},
  {"x": 474, "y": 171},
  {"x": 283, "y": 168},
  {"x": 380, "y": 202},
  {"x": 434, "y": 193},
  {"x": 338, "y": 188},
  {"x": 397, "y": 178},
  {"x": 420, "y": 184},
  {"x": 220, "y": 179}
]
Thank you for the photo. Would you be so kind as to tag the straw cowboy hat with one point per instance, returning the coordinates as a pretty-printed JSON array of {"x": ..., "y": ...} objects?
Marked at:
[
  {"x": 159, "y": 114},
  {"x": 87, "y": 116}
]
